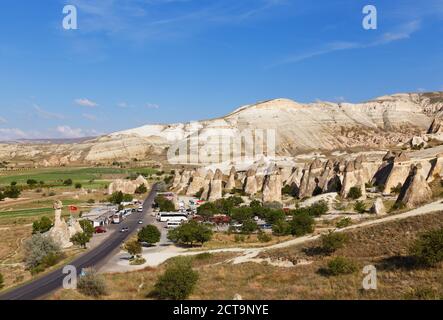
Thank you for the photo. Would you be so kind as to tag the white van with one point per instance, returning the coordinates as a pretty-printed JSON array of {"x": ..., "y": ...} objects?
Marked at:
[{"x": 173, "y": 224}]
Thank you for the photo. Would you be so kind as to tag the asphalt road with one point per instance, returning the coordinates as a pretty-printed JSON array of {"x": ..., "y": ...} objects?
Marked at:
[{"x": 46, "y": 284}]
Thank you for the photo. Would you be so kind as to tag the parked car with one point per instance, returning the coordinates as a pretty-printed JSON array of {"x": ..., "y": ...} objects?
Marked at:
[
  {"x": 140, "y": 209},
  {"x": 100, "y": 230},
  {"x": 140, "y": 221}
]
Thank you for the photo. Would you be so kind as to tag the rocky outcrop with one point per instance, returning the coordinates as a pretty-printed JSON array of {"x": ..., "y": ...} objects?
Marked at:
[
  {"x": 62, "y": 232},
  {"x": 184, "y": 182},
  {"x": 231, "y": 183},
  {"x": 436, "y": 126},
  {"x": 177, "y": 178},
  {"x": 197, "y": 182},
  {"x": 399, "y": 172},
  {"x": 216, "y": 191},
  {"x": 378, "y": 207},
  {"x": 251, "y": 186},
  {"x": 127, "y": 186},
  {"x": 272, "y": 187},
  {"x": 207, "y": 185},
  {"x": 355, "y": 176},
  {"x": 436, "y": 171},
  {"x": 415, "y": 190},
  {"x": 311, "y": 178}
]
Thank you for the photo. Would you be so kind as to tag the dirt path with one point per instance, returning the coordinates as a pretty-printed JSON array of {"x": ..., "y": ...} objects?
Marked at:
[{"x": 157, "y": 255}]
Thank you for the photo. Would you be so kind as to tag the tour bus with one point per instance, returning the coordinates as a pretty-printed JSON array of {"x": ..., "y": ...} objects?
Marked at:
[{"x": 171, "y": 216}]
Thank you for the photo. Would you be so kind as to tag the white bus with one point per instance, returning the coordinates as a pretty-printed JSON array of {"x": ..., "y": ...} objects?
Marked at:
[
  {"x": 117, "y": 218},
  {"x": 171, "y": 216}
]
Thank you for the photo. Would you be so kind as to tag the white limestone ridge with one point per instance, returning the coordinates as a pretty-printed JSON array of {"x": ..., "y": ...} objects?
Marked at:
[{"x": 300, "y": 128}]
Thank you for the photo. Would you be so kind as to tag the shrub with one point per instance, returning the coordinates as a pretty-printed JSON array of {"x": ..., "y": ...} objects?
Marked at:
[
  {"x": 263, "y": 237},
  {"x": 397, "y": 189},
  {"x": 31, "y": 182},
  {"x": 41, "y": 226},
  {"x": 91, "y": 201},
  {"x": 12, "y": 191},
  {"x": 340, "y": 265},
  {"x": 190, "y": 233},
  {"x": 204, "y": 256},
  {"x": 428, "y": 248},
  {"x": 141, "y": 189},
  {"x": 333, "y": 241},
  {"x": 207, "y": 210},
  {"x": 355, "y": 193},
  {"x": 239, "y": 238},
  {"x": 399, "y": 205},
  {"x": 2, "y": 283},
  {"x": 67, "y": 182},
  {"x": 78, "y": 185},
  {"x": 149, "y": 234},
  {"x": 81, "y": 239},
  {"x": 360, "y": 207},
  {"x": 343, "y": 223},
  {"x": 37, "y": 248},
  {"x": 92, "y": 284},
  {"x": 255, "y": 204},
  {"x": 281, "y": 228},
  {"x": 134, "y": 248},
  {"x": 249, "y": 226},
  {"x": 178, "y": 281},
  {"x": 301, "y": 224}
]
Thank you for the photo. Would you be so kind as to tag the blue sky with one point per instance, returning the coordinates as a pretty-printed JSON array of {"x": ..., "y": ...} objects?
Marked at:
[{"x": 135, "y": 62}]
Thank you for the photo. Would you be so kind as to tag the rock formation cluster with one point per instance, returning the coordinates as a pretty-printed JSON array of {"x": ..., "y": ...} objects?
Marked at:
[{"x": 127, "y": 186}]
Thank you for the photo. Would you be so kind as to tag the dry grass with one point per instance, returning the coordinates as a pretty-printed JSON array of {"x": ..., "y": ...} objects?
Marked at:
[{"x": 385, "y": 246}]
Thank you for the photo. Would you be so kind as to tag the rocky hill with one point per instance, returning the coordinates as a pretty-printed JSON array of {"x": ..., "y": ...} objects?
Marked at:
[{"x": 299, "y": 128}]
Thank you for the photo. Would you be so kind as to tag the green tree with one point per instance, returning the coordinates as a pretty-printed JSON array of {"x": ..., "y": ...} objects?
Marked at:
[
  {"x": 207, "y": 210},
  {"x": 301, "y": 224},
  {"x": 12, "y": 191},
  {"x": 41, "y": 226},
  {"x": 2, "y": 196},
  {"x": 87, "y": 227},
  {"x": 164, "y": 204},
  {"x": 78, "y": 185},
  {"x": 354, "y": 193},
  {"x": 149, "y": 234},
  {"x": 80, "y": 239},
  {"x": 190, "y": 233},
  {"x": 116, "y": 197},
  {"x": 428, "y": 248},
  {"x": 178, "y": 281},
  {"x": 141, "y": 189},
  {"x": 36, "y": 249},
  {"x": 134, "y": 248},
  {"x": 281, "y": 228},
  {"x": 249, "y": 226},
  {"x": 2, "y": 283},
  {"x": 68, "y": 182},
  {"x": 31, "y": 183}
]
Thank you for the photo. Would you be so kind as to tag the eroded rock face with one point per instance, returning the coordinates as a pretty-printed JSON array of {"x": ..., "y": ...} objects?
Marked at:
[
  {"x": 62, "y": 232},
  {"x": 197, "y": 183},
  {"x": 355, "y": 176},
  {"x": 231, "y": 183},
  {"x": 436, "y": 126},
  {"x": 415, "y": 190},
  {"x": 436, "y": 169},
  {"x": 127, "y": 186},
  {"x": 207, "y": 185},
  {"x": 184, "y": 181},
  {"x": 399, "y": 172},
  {"x": 216, "y": 191},
  {"x": 272, "y": 187},
  {"x": 177, "y": 178},
  {"x": 251, "y": 186},
  {"x": 311, "y": 179}
]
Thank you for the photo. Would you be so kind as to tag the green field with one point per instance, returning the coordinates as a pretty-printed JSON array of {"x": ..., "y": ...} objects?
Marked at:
[{"x": 88, "y": 177}]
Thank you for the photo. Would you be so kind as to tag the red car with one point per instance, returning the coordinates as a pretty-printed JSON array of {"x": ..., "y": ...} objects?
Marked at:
[{"x": 100, "y": 230}]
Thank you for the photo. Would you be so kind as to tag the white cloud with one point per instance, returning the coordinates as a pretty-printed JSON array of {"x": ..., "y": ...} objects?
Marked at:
[
  {"x": 88, "y": 116},
  {"x": 46, "y": 114},
  {"x": 68, "y": 132},
  {"x": 12, "y": 134},
  {"x": 152, "y": 106},
  {"x": 3, "y": 120},
  {"x": 86, "y": 103},
  {"x": 400, "y": 33},
  {"x": 122, "y": 105}
]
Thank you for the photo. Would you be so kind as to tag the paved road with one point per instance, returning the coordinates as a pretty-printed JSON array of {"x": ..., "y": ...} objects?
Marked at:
[{"x": 94, "y": 258}]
